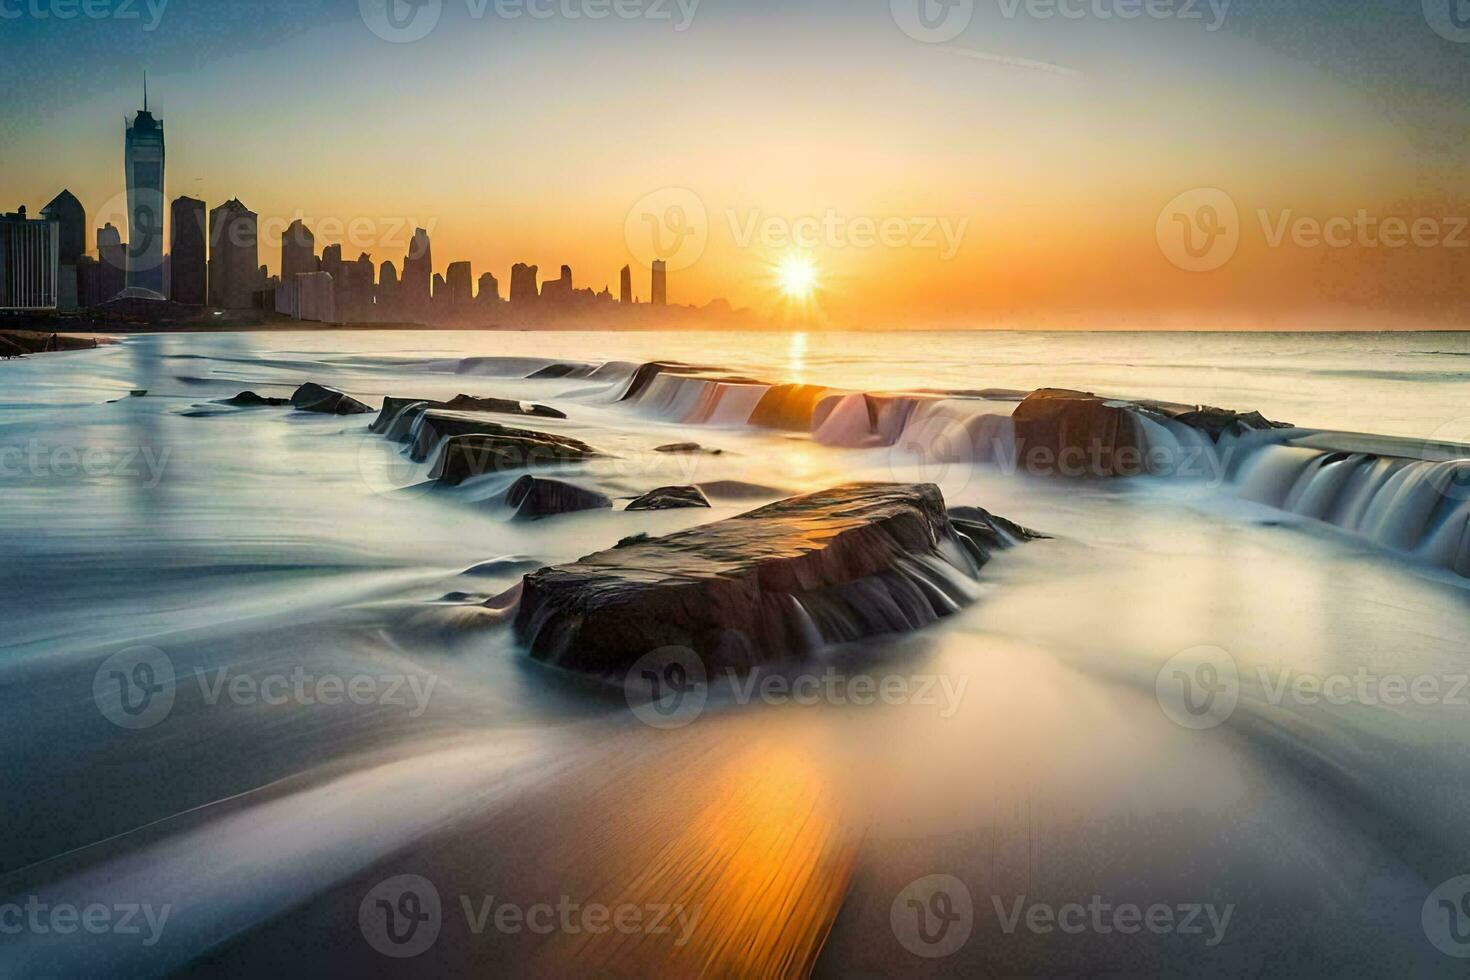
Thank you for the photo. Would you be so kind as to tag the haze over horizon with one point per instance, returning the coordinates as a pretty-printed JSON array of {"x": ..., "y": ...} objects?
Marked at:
[{"x": 1028, "y": 169}]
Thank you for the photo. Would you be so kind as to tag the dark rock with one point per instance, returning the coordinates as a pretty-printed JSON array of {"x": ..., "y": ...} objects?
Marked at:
[
  {"x": 249, "y": 399},
  {"x": 497, "y": 449},
  {"x": 1077, "y": 433},
  {"x": 686, "y": 447},
  {"x": 434, "y": 425},
  {"x": 1216, "y": 422},
  {"x": 312, "y": 397},
  {"x": 532, "y": 497},
  {"x": 741, "y": 490},
  {"x": 858, "y": 560},
  {"x": 668, "y": 498},
  {"x": 394, "y": 420},
  {"x": 138, "y": 392}
]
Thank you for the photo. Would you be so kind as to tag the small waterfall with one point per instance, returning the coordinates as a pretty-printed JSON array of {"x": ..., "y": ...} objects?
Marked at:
[{"x": 1406, "y": 503}]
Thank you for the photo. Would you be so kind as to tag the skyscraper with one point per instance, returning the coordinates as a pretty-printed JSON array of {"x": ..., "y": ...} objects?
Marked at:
[
  {"x": 460, "y": 279},
  {"x": 489, "y": 289},
  {"x": 71, "y": 226},
  {"x": 143, "y": 172},
  {"x": 523, "y": 284},
  {"x": 29, "y": 249},
  {"x": 112, "y": 263},
  {"x": 186, "y": 251},
  {"x": 625, "y": 290},
  {"x": 233, "y": 268},
  {"x": 414, "y": 289},
  {"x": 660, "y": 283}
]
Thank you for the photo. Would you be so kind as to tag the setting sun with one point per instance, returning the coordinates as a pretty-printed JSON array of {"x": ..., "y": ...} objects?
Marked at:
[{"x": 797, "y": 276}]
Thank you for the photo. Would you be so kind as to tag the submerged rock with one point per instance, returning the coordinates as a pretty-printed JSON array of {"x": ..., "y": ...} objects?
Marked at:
[
  {"x": 433, "y": 425},
  {"x": 686, "y": 447},
  {"x": 854, "y": 561},
  {"x": 497, "y": 449},
  {"x": 668, "y": 498},
  {"x": 533, "y": 498},
  {"x": 392, "y": 418},
  {"x": 312, "y": 397},
  {"x": 249, "y": 399}
]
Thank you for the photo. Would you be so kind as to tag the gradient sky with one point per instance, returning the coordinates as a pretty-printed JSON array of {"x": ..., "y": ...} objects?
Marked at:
[{"x": 1054, "y": 142}]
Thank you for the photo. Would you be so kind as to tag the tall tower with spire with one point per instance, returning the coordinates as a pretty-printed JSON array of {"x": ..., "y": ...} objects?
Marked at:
[{"x": 143, "y": 172}]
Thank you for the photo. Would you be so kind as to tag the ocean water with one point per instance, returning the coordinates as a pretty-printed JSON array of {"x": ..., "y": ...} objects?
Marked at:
[{"x": 1033, "y": 754}]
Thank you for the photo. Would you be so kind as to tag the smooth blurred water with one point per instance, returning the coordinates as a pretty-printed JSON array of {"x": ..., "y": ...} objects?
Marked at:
[{"x": 258, "y": 543}]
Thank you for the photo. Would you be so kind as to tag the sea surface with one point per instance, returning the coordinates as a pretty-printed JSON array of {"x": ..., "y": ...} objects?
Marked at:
[{"x": 334, "y": 709}]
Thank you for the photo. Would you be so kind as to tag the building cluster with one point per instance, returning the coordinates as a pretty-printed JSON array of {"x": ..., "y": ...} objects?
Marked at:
[{"x": 212, "y": 260}]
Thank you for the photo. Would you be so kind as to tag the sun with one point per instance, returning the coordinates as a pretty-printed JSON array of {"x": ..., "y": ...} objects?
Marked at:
[{"x": 797, "y": 277}]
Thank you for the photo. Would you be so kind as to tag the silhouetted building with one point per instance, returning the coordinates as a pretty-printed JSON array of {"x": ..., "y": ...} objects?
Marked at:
[
  {"x": 660, "y": 287},
  {"x": 440, "y": 297},
  {"x": 558, "y": 292},
  {"x": 460, "y": 280},
  {"x": 29, "y": 250},
  {"x": 625, "y": 286},
  {"x": 522, "y": 284},
  {"x": 87, "y": 286},
  {"x": 234, "y": 271},
  {"x": 418, "y": 274},
  {"x": 71, "y": 237},
  {"x": 112, "y": 264},
  {"x": 316, "y": 297},
  {"x": 143, "y": 172},
  {"x": 188, "y": 270},
  {"x": 489, "y": 289},
  {"x": 364, "y": 289},
  {"x": 388, "y": 292}
]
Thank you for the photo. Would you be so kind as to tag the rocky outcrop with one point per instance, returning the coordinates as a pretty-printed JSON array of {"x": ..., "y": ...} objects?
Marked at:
[
  {"x": 777, "y": 582},
  {"x": 669, "y": 498},
  {"x": 312, "y": 397},
  {"x": 398, "y": 413},
  {"x": 533, "y": 498},
  {"x": 432, "y": 426},
  {"x": 1217, "y": 422},
  {"x": 493, "y": 448},
  {"x": 687, "y": 448},
  {"x": 249, "y": 399}
]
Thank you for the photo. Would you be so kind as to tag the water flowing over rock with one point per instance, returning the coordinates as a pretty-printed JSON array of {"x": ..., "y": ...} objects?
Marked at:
[
  {"x": 398, "y": 414},
  {"x": 837, "y": 565},
  {"x": 312, "y": 397},
  {"x": 533, "y": 498},
  {"x": 492, "y": 448},
  {"x": 669, "y": 498},
  {"x": 426, "y": 429},
  {"x": 788, "y": 406}
]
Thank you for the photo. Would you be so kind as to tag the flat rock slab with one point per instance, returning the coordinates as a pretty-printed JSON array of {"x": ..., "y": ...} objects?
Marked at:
[
  {"x": 858, "y": 560},
  {"x": 432, "y": 426},
  {"x": 312, "y": 397},
  {"x": 493, "y": 448}
]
